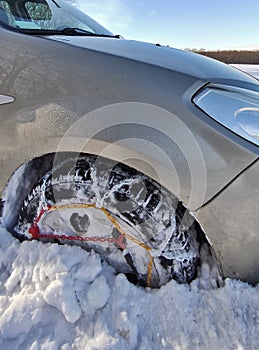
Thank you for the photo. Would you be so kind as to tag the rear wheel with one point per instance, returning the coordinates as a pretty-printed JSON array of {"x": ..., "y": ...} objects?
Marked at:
[{"x": 129, "y": 219}]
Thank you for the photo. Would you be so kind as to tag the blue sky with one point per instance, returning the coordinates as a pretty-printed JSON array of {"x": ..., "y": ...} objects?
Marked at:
[{"x": 211, "y": 24}]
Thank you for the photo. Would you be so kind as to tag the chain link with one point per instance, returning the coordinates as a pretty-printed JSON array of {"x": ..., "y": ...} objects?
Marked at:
[{"x": 78, "y": 238}]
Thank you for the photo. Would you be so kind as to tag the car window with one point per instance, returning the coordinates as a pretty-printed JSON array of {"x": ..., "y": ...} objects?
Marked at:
[
  {"x": 43, "y": 17},
  {"x": 46, "y": 15},
  {"x": 38, "y": 11},
  {"x": 38, "y": 15}
]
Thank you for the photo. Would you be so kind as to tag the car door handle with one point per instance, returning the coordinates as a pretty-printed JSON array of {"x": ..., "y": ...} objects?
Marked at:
[{"x": 4, "y": 99}]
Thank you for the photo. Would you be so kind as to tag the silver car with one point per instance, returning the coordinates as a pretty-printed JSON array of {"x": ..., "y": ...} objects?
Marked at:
[{"x": 144, "y": 153}]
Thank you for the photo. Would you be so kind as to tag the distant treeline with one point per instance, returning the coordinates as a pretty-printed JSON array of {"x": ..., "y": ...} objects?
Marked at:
[{"x": 232, "y": 56}]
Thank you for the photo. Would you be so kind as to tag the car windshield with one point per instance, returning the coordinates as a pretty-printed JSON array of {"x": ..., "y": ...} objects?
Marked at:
[{"x": 47, "y": 17}]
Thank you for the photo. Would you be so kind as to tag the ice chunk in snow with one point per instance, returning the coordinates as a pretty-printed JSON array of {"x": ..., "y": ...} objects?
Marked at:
[
  {"x": 91, "y": 269},
  {"x": 98, "y": 293},
  {"x": 61, "y": 294}
]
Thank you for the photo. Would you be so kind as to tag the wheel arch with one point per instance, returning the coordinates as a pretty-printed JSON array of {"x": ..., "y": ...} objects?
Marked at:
[
  {"x": 29, "y": 174},
  {"x": 22, "y": 176}
]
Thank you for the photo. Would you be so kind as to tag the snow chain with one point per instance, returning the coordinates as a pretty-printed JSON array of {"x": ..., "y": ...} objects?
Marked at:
[{"x": 35, "y": 233}]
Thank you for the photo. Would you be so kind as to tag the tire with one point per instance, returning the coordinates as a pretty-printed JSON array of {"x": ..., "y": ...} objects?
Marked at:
[{"x": 136, "y": 225}]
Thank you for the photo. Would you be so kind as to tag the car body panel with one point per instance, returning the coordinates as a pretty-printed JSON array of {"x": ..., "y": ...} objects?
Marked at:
[
  {"x": 235, "y": 238},
  {"x": 164, "y": 57},
  {"x": 65, "y": 82}
]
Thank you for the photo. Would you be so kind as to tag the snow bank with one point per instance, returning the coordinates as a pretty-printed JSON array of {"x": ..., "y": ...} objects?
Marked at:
[
  {"x": 61, "y": 297},
  {"x": 252, "y": 69}
]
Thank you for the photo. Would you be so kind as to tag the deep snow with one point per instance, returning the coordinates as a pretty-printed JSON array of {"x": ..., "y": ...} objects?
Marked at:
[{"x": 60, "y": 297}]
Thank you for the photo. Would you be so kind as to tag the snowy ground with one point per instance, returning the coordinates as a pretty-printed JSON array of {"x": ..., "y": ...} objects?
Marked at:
[
  {"x": 252, "y": 69},
  {"x": 60, "y": 298}
]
